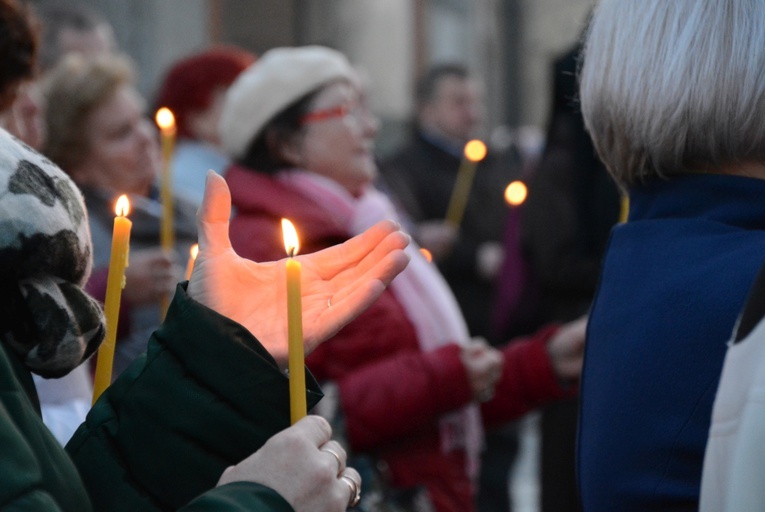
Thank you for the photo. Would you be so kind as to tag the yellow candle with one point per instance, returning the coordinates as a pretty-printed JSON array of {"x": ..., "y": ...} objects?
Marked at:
[
  {"x": 193, "y": 251},
  {"x": 166, "y": 122},
  {"x": 475, "y": 151},
  {"x": 294, "y": 325},
  {"x": 515, "y": 193},
  {"x": 624, "y": 210},
  {"x": 114, "y": 284}
]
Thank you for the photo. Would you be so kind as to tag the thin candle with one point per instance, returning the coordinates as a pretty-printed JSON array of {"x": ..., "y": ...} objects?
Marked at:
[
  {"x": 475, "y": 151},
  {"x": 294, "y": 324},
  {"x": 624, "y": 208},
  {"x": 166, "y": 122},
  {"x": 193, "y": 252},
  {"x": 115, "y": 283}
]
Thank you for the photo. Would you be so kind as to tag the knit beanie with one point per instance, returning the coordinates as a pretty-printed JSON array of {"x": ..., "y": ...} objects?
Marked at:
[
  {"x": 46, "y": 317},
  {"x": 270, "y": 85}
]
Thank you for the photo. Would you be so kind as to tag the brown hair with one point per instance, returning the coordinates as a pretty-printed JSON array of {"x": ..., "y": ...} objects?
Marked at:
[{"x": 19, "y": 33}]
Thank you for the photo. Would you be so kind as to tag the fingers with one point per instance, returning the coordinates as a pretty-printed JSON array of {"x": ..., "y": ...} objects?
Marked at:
[
  {"x": 213, "y": 216},
  {"x": 352, "y": 478},
  {"x": 380, "y": 239},
  {"x": 382, "y": 265},
  {"x": 337, "y": 453},
  {"x": 315, "y": 429}
]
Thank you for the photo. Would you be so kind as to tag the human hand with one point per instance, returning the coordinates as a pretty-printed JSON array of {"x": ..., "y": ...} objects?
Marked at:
[
  {"x": 566, "y": 349},
  {"x": 338, "y": 283},
  {"x": 437, "y": 236},
  {"x": 150, "y": 275},
  {"x": 483, "y": 365},
  {"x": 304, "y": 466}
]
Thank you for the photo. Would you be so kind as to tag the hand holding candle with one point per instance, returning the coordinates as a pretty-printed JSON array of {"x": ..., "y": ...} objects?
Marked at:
[
  {"x": 475, "y": 151},
  {"x": 294, "y": 324},
  {"x": 115, "y": 283}
]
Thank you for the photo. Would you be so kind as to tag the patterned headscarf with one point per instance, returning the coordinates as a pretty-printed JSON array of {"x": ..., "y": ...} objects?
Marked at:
[{"x": 45, "y": 258}]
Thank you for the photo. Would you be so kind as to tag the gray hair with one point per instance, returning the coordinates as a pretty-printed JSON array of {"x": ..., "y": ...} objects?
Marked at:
[{"x": 675, "y": 86}]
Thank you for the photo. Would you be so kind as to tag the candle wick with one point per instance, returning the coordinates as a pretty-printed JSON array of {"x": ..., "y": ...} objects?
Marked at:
[{"x": 292, "y": 253}]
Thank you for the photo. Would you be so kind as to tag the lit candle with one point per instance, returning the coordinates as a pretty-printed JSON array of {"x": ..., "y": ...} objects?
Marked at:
[
  {"x": 515, "y": 193},
  {"x": 166, "y": 122},
  {"x": 294, "y": 325},
  {"x": 475, "y": 151},
  {"x": 114, "y": 284},
  {"x": 193, "y": 251}
]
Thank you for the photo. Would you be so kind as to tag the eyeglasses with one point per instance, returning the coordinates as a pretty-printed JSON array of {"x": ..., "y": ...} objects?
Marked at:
[{"x": 341, "y": 111}]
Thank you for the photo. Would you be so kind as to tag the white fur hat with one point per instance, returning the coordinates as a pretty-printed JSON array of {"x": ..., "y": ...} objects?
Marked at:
[{"x": 275, "y": 81}]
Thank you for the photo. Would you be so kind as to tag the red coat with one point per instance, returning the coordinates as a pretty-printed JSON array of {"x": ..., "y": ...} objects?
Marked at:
[{"x": 391, "y": 392}]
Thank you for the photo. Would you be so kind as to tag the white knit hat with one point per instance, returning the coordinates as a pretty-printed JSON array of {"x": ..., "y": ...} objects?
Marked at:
[{"x": 275, "y": 81}]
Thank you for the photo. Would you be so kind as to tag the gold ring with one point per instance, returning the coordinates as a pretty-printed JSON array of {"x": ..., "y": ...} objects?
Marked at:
[
  {"x": 355, "y": 488},
  {"x": 336, "y": 455}
]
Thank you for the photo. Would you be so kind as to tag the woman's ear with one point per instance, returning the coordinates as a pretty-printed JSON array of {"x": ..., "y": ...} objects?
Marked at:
[{"x": 288, "y": 149}]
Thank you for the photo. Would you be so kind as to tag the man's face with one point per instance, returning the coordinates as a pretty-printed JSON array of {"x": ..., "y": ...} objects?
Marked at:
[{"x": 455, "y": 110}]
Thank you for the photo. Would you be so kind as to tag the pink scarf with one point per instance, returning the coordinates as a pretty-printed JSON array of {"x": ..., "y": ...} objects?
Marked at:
[{"x": 420, "y": 288}]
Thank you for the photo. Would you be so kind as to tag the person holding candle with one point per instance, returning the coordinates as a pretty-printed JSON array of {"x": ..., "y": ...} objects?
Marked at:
[
  {"x": 127, "y": 456},
  {"x": 424, "y": 174},
  {"x": 405, "y": 377},
  {"x": 672, "y": 95},
  {"x": 98, "y": 133}
]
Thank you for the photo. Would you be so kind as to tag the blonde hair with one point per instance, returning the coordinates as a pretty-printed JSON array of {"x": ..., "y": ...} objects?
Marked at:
[
  {"x": 675, "y": 86},
  {"x": 74, "y": 89}
]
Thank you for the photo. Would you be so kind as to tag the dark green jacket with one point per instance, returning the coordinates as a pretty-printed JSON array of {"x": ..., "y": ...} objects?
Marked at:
[{"x": 205, "y": 396}]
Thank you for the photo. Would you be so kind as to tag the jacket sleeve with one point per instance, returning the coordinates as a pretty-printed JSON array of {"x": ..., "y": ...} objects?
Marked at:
[
  {"x": 239, "y": 497},
  {"x": 528, "y": 380},
  {"x": 402, "y": 394},
  {"x": 22, "y": 479},
  {"x": 204, "y": 396}
]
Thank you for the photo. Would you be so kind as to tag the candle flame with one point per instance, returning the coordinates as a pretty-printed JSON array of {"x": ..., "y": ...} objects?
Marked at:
[
  {"x": 515, "y": 193},
  {"x": 194, "y": 251},
  {"x": 122, "y": 207},
  {"x": 475, "y": 150},
  {"x": 426, "y": 254},
  {"x": 291, "y": 243},
  {"x": 165, "y": 119}
]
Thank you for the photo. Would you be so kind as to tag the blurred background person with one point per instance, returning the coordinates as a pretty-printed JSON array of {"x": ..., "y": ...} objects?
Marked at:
[
  {"x": 688, "y": 143},
  {"x": 71, "y": 27},
  {"x": 565, "y": 223},
  {"x": 408, "y": 379},
  {"x": 99, "y": 134},
  {"x": 193, "y": 89},
  {"x": 63, "y": 28},
  {"x": 421, "y": 177}
]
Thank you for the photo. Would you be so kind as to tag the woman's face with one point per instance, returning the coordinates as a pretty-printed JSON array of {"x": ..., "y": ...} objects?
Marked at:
[
  {"x": 338, "y": 137},
  {"x": 123, "y": 153}
]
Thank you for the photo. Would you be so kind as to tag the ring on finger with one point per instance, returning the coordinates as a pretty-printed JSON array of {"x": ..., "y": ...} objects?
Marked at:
[
  {"x": 337, "y": 457},
  {"x": 354, "y": 487}
]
